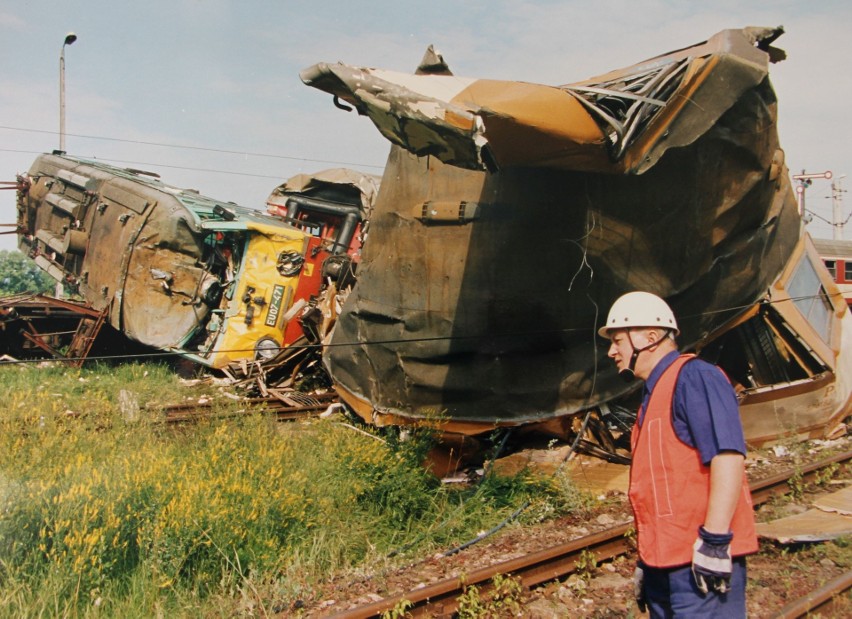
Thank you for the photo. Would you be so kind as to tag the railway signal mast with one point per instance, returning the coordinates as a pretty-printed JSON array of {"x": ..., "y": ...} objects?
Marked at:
[{"x": 803, "y": 181}]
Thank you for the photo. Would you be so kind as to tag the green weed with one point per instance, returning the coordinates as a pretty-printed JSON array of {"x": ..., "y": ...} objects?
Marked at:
[
  {"x": 503, "y": 599},
  {"x": 399, "y": 611},
  {"x": 110, "y": 514},
  {"x": 796, "y": 484},
  {"x": 826, "y": 474},
  {"x": 586, "y": 565}
]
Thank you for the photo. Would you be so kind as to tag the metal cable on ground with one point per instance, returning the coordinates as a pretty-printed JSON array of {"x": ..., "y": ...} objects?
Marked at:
[
  {"x": 515, "y": 514},
  {"x": 575, "y": 443},
  {"x": 488, "y": 533},
  {"x": 527, "y": 503},
  {"x": 461, "y": 505},
  {"x": 497, "y": 453}
]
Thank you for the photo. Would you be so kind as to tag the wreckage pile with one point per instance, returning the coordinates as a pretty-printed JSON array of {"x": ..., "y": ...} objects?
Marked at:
[{"x": 509, "y": 213}]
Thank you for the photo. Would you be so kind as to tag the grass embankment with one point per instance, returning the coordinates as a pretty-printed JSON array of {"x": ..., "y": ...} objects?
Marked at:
[{"x": 107, "y": 512}]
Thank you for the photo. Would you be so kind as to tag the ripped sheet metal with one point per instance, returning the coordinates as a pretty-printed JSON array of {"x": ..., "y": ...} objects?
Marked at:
[
  {"x": 480, "y": 290},
  {"x": 340, "y": 184},
  {"x": 623, "y": 121}
]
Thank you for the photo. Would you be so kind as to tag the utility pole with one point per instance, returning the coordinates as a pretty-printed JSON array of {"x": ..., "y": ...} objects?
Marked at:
[{"x": 837, "y": 208}]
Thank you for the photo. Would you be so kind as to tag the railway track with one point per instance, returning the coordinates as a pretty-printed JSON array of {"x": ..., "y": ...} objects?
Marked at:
[
  {"x": 440, "y": 598},
  {"x": 819, "y": 601}
]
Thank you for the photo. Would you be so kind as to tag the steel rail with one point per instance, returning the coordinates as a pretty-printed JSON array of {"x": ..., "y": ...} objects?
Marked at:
[
  {"x": 440, "y": 598},
  {"x": 777, "y": 485},
  {"x": 822, "y": 598}
]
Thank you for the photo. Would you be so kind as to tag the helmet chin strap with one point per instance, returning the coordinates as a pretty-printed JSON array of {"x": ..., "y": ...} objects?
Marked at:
[{"x": 628, "y": 374}]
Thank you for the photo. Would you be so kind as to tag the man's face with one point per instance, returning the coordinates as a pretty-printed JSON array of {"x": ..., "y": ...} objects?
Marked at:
[
  {"x": 620, "y": 348},
  {"x": 622, "y": 344}
]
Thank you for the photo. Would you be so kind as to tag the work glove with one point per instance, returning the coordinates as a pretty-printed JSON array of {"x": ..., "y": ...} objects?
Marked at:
[
  {"x": 639, "y": 588},
  {"x": 711, "y": 561}
]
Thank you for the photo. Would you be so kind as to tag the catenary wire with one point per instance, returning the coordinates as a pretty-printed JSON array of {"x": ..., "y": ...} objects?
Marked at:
[
  {"x": 160, "y": 165},
  {"x": 515, "y": 334}
]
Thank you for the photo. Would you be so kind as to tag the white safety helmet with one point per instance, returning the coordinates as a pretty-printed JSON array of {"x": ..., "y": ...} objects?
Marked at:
[{"x": 639, "y": 309}]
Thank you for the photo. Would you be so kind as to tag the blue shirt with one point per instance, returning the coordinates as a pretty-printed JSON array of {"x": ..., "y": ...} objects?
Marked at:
[{"x": 705, "y": 411}]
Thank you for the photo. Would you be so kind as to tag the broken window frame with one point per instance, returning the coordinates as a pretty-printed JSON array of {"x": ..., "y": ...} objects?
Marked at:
[{"x": 810, "y": 298}]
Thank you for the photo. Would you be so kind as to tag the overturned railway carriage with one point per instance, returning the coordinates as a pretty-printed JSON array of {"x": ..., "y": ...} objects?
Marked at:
[
  {"x": 790, "y": 355},
  {"x": 169, "y": 268},
  {"x": 512, "y": 215}
]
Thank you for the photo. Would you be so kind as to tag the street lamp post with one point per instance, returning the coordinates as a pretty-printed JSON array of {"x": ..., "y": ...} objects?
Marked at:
[{"x": 69, "y": 39}]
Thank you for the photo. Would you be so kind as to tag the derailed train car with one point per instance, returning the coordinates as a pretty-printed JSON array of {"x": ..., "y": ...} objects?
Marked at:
[
  {"x": 177, "y": 271},
  {"x": 512, "y": 214}
]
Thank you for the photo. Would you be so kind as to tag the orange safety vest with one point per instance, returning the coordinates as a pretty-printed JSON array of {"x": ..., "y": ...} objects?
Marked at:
[{"x": 670, "y": 486}]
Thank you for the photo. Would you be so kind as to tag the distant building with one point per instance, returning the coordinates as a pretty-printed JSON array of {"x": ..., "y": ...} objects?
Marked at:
[{"x": 837, "y": 256}]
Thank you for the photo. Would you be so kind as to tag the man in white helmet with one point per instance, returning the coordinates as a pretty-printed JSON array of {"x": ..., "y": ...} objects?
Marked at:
[{"x": 691, "y": 503}]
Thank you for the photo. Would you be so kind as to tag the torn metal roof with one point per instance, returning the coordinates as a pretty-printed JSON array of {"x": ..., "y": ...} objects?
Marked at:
[{"x": 623, "y": 121}]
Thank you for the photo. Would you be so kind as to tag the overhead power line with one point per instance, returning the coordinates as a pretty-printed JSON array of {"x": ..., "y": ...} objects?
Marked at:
[
  {"x": 196, "y": 148},
  {"x": 178, "y": 167},
  {"x": 156, "y": 165}
]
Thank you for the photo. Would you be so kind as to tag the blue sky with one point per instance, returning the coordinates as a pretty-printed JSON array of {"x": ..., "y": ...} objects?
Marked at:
[{"x": 222, "y": 77}]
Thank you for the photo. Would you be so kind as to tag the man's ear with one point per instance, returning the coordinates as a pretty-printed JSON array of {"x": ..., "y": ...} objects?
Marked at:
[{"x": 654, "y": 336}]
